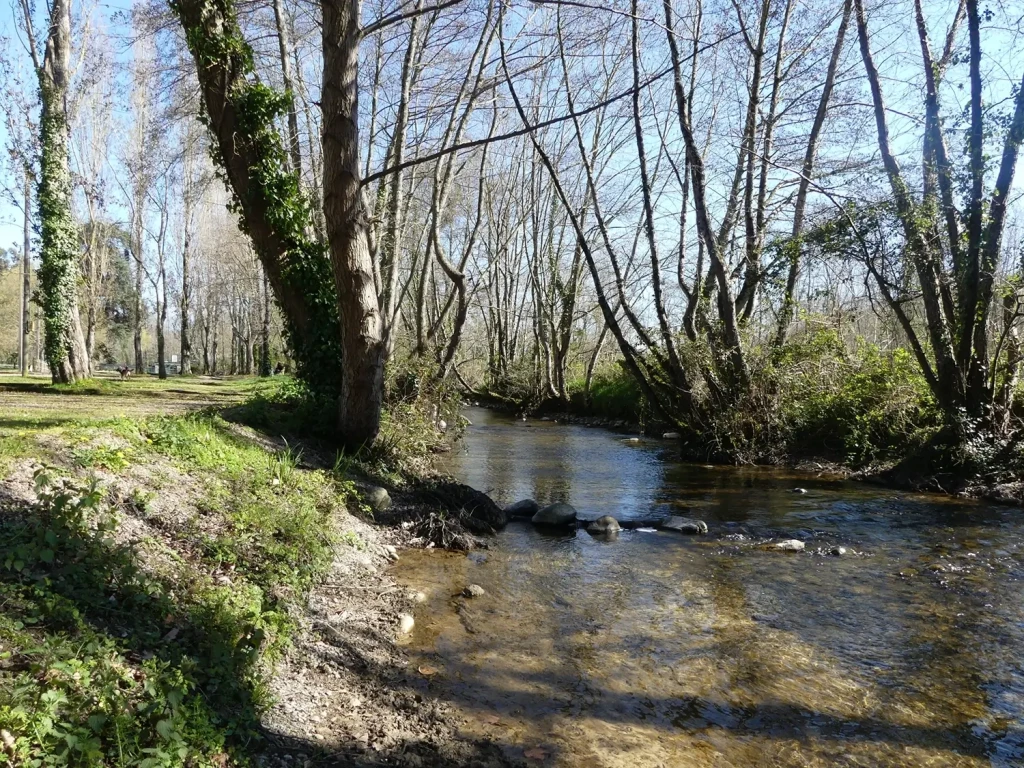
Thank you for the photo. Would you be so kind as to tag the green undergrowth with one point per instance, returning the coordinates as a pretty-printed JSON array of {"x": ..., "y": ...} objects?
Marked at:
[
  {"x": 414, "y": 407},
  {"x": 155, "y": 652},
  {"x": 819, "y": 396}
]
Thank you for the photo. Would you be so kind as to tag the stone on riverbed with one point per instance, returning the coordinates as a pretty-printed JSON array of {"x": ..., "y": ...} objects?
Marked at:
[
  {"x": 560, "y": 514},
  {"x": 606, "y": 524},
  {"x": 837, "y": 551},
  {"x": 790, "y": 545},
  {"x": 474, "y": 590},
  {"x": 522, "y": 509},
  {"x": 405, "y": 623},
  {"x": 686, "y": 525}
]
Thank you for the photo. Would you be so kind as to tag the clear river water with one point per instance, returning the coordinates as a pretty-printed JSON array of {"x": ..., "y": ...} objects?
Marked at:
[{"x": 657, "y": 649}]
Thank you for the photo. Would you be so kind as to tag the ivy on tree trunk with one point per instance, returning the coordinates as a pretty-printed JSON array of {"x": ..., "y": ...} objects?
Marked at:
[
  {"x": 241, "y": 114},
  {"x": 66, "y": 352}
]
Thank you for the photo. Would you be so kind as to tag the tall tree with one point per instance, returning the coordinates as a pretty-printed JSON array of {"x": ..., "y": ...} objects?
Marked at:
[
  {"x": 957, "y": 302},
  {"x": 66, "y": 351}
]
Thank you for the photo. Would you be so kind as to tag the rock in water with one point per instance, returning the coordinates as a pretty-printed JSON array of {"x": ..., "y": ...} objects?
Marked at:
[
  {"x": 671, "y": 436},
  {"x": 475, "y": 510},
  {"x": 378, "y": 498},
  {"x": 799, "y": 490},
  {"x": 474, "y": 590},
  {"x": 605, "y": 524},
  {"x": 684, "y": 525},
  {"x": 790, "y": 545},
  {"x": 526, "y": 508},
  {"x": 560, "y": 514},
  {"x": 405, "y": 623},
  {"x": 837, "y": 551}
]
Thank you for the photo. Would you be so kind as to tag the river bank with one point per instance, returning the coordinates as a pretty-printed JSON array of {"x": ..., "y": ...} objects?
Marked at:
[
  {"x": 186, "y": 588},
  {"x": 910, "y": 474}
]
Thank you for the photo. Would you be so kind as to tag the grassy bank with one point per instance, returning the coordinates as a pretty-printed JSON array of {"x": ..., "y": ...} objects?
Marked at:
[
  {"x": 150, "y": 573},
  {"x": 190, "y": 576}
]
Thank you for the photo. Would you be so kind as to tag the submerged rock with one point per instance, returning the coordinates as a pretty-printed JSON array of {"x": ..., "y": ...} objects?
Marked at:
[
  {"x": 556, "y": 514},
  {"x": 686, "y": 525},
  {"x": 837, "y": 551},
  {"x": 671, "y": 436},
  {"x": 606, "y": 524},
  {"x": 631, "y": 440},
  {"x": 799, "y": 490},
  {"x": 790, "y": 545},
  {"x": 474, "y": 590},
  {"x": 524, "y": 508}
]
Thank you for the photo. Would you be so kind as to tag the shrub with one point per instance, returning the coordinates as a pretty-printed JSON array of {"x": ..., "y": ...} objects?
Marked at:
[{"x": 866, "y": 407}]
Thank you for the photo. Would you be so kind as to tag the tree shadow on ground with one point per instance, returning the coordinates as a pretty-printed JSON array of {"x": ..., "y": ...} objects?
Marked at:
[{"x": 72, "y": 593}]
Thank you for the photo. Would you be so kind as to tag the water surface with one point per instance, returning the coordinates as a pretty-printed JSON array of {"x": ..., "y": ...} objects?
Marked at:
[{"x": 657, "y": 649}]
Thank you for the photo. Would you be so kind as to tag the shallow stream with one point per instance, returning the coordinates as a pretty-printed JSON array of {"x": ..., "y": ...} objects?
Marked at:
[{"x": 656, "y": 649}]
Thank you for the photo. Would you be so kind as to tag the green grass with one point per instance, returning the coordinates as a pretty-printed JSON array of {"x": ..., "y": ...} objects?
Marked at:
[
  {"x": 140, "y": 386},
  {"x": 138, "y": 655}
]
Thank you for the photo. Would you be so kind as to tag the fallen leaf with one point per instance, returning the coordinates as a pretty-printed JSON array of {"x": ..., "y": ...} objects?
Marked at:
[
  {"x": 536, "y": 753},
  {"x": 427, "y": 671}
]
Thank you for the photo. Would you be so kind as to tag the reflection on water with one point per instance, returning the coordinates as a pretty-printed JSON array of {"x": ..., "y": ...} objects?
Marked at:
[{"x": 661, "y": 650}]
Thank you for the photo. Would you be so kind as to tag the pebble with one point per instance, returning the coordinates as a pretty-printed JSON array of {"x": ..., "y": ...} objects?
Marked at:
[
  {"x": 419, "y": 597},
  {"x": 790, "y": 545},
  {"x": 390, "y": 552},
  {"x": 474, "y": 590},
  {"x": 405, "y": 623}
]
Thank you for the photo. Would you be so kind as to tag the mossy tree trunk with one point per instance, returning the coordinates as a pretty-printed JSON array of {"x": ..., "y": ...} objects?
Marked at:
[
  {"x": 66, "y": 351},
  {"x": 330, "y": 306},
  {"x": 242, "y": 115}
]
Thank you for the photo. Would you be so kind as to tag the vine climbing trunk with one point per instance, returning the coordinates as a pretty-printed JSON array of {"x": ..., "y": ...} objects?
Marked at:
[
  {"x": 58, "y": 273},
  {"x": 363, "y": 348},
  {"x": 242, "y": 114}
]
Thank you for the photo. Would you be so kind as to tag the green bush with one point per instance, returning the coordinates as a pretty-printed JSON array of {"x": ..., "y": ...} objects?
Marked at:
[
  {"x": 614, "y": 394},
  {"x": 866, "y": 407}
]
